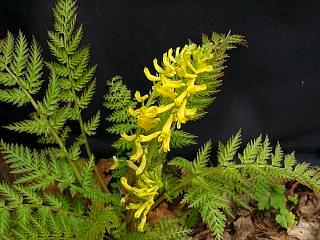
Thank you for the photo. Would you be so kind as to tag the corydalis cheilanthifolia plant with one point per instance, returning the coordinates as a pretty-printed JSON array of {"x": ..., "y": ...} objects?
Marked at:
[{"x": 58, "y": 196}]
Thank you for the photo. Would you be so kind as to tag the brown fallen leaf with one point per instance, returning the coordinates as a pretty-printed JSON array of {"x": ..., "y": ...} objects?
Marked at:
[{"x": 243, "y": 228}]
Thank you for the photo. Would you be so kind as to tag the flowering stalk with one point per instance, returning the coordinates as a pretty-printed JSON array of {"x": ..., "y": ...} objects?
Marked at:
[{"x": 174, "y": 82}]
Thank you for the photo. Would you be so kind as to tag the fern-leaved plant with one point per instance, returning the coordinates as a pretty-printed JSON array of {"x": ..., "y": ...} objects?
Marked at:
[{"x": 60, "y": 193}]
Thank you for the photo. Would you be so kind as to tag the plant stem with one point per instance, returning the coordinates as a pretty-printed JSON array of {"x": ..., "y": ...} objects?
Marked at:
[
  {"x": 101, "y": 182},
  {"x": 39, "y": 206},
  {"x": 52, "y": 130}
]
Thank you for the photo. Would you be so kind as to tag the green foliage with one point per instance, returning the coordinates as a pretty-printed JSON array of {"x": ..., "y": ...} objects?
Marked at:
[
  {"x": 285, "y": 218},
  {"x": 58, "y": 195}
]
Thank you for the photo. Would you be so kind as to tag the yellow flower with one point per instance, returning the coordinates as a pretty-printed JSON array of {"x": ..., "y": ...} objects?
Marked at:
[
  {"x": 166, "y": 62},
  {"x": 150, "y": 76},
  {"x": 183, "y": 113},
  {"x": 133, "y": 113},
  {"x": 164, "y": 108},
  {"x": 115, "y": 163},
  {"x": 148, "y": 123},
  {"x": 140, "y": 98},
  {"x": 146, "y": 193},
  {"x": 138, "y": 152},
  {"x": 127, "y": 137},
  {"x": 142, "y": 164},
  {"x": 171, "y": 83},
  {"x": 132, "y": 165},
  {"x": 147, "y": 138},
  {"x": 181, "y": 118},
  {"x": 157, "y": 67},
  {"x": 171, "y": 56},
  {"x": 164, "y": 91},
  {"x": 178, "y": 101},
  {"x": 166, "y": 134}
]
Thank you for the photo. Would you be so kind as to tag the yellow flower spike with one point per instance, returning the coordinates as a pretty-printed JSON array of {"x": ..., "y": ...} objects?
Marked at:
[
  {"x": 172, "y": 59},
  {"x": 132, "y": 165},
  {"x": 157, "y": 67},
  {"x": 140, "y": 98},
  {"x": 142, "y": 165},
  {"x": 125, "y": 184},
  {"x": 138, "y": 152},
  {"x": 166, "y": 62},
  {"x": 178, "y": 101},
  {"x": 181, "y": 114},
  {"x": 165, "y": 108},
  {"x": 127, "y": 137},
  {"x": 115, "y": 163},
  {"x": 147, "y": 138},
  {"x": 164, "y": 91},
  {"x": 171, "y": 83},
  {"x": 150, "y": 76}
]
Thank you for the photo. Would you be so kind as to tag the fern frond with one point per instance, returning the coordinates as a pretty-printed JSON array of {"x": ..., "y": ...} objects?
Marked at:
[
  {"x": 6, "y": 51},
  {"x": 277, "y": 157},
  {"x": 14, "y": 96},
  {"x": 182, "y": 163},
  {"x": 20, "y": 57},
  {"x": 251, "y": 151},
  {"x": 35, "y": 126},
  {"x": 91, "y": 126},
  {"x": 203, "y": 156},
  {"x": 34, "y": 68},
  {"x": 168, "y": 229},
  {"x": 87, "y": 95},
  {"x": 227, "y": 152},
  {"x": 180, "y": 139}
]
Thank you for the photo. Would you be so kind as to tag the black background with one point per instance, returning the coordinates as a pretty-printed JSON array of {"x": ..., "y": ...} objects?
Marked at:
[{"x": 272, "y": 87}]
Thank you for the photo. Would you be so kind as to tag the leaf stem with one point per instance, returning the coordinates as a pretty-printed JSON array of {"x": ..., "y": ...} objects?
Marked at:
[{"x": 52, "y": 130}]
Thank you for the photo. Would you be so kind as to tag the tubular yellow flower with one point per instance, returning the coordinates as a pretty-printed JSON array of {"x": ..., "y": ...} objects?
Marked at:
[
  {"x": 140, "y": 98},
  {"x": 172, "y": 59},
  {"x": 133, "y": 113},
  {"x": 204, "y": 68},
  {"x": 166, "y": 134},
  {"x": 150, "y": 112},
  {"x": 181, "y": 114},
  {"x": 127, "y": 137},
  {"x": 125, "y": 184},
  {"x": 140, "y": 227},
  {"x": 171, "y": 83},
  {"x": 142, "y": 165},
  {"x": 115, "y": 163},
  {"x": 157, "y": 67},
  {"x": 164, "y": 91},
  {"x": 150, "y": 76},
  {"x": 178, "y": 101},
  {"x": 132, "y": 165},
  {"x": 166, "y": 62},
  {"x": 138, "y": 152},
  {"x": 147, "y": 138},
  {"x": 148, "y": 123},
  {"x": 165, "y": 108},
  {"x": 190, "y": 112}
]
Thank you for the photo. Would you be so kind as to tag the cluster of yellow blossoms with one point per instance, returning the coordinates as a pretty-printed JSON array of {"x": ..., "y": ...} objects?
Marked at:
[{"x": 176, "y": 82}]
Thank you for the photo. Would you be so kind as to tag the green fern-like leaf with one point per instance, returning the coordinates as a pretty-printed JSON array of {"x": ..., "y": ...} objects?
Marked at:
[{"x": 227, "y": 152}]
